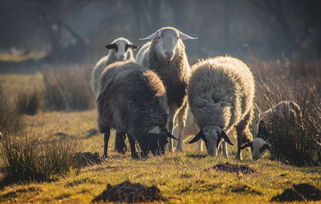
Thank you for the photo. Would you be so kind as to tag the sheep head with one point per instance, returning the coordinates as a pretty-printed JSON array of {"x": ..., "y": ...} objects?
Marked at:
[
  {"x": 167, "y": 39},
  {"x": 212, "y": 136},
  {"x": 121, "y": 48}
]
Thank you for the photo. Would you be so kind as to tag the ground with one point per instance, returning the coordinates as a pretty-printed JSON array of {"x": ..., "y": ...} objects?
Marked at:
[{"x": 179, "y": 176}]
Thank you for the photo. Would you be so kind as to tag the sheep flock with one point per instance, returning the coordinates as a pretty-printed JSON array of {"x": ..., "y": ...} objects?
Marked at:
[{"x": 158, "y": 94}]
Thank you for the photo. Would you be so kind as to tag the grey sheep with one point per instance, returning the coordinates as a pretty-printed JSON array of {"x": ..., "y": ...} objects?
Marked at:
[
  {"x": 132, "y": 100},
  {"x": 120, "y": 49},
  {"x": 285, "y": 116},
  {"x": 221, "y": 93},
  {"x": 165, "y": 54}
]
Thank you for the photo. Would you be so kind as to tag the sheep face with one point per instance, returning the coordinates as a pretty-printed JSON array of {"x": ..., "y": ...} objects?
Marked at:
[
  {"x": 259, "y": 146},
  {"x": 167, "y": 40},
  {"x": 121, "y": 49},
  {"x": 167, "y": 44},
  {"x": 154, "y": 141},
  {"x": 212, "y": 136}
]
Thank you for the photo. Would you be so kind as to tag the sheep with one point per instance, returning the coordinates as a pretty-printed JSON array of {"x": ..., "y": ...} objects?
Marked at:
[
  {"x": 284, "y": 115},
  {"x": 284, "y": 112},
  {"x": 220, "y": 94},
  {"x": 165, "y": 54},
  {"x": 132, "y": 100},
  {"x": 119, "y": 50}
]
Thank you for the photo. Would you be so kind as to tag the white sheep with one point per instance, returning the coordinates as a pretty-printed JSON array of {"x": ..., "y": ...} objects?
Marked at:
[
  {"x": 221, "y": 93},
  {"x": 120, "y": 49},
  {"x": 165, "y": 54}
]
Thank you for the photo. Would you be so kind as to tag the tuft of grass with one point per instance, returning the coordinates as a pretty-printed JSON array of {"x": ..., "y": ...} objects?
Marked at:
[
  {"x": 29, "y": 102},
  {"x": 10, "y": 120},
  {"x": 26, "y": 158},
  {"x": 297, "y": 81},
  {"x": 67, "y": 89}
]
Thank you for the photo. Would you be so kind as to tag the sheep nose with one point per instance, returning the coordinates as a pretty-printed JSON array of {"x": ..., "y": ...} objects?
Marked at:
[
  {"x": 122, "y": 57},
  {"x": 169, "y": 54}
]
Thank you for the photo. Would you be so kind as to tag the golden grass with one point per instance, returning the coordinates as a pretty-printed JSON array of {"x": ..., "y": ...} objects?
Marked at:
[
  {"x": 19, "y": 56},
  {"x": 180, "y": 176},
  {"x": 14, "y": 83}
]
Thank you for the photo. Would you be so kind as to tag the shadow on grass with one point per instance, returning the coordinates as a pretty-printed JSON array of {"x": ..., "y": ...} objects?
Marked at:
[{"x": 13, "y": 194}]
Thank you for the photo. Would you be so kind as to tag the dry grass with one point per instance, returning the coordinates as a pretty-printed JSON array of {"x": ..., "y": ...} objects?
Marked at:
[
  {"x": 29, "y": 102},
  {"x": 10, "y": 120},
  {"x": 31, "y": 156},
  {"x": 67, "y": 89},
  {"x": 299, "y": 82}
]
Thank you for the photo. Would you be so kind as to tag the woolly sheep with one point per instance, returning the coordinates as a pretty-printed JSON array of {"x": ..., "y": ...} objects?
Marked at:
[
  {"x": 220, "y": 93},
  {"x": 132, "y": 100},
  {"x": 165, "y": 54},
  {"x": 283, "y": 115},
  {"x": 119, "y": 50}
]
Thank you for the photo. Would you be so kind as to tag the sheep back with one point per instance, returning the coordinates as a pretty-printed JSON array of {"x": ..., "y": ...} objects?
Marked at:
[
  {"x": 221, "y": 92},
  {"x": 130, "y": 97}
]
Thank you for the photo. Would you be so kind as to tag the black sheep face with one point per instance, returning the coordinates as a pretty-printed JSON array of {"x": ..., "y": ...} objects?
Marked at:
[{"x": 148, "y": 142}]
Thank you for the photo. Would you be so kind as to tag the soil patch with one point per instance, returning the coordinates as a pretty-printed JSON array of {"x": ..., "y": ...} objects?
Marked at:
[
  {"x": 232, "y": 168},
  {"x": 308, "y": 191},
  {"x": 299, "y": 192},
  {"x": 83, "y": 159},
  {"x": 130, "y": 192}
]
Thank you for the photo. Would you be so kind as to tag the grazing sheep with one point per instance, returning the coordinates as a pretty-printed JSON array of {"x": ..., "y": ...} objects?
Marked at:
[
  {"x": 220, "y": 93},
  {"x": 284, "y": 116},
  {"x": 132, "y": 100},
  {"x": 165, "y": 54},
  {"x": 119, "y": 50},
  {"x": 284, "y": 112}
]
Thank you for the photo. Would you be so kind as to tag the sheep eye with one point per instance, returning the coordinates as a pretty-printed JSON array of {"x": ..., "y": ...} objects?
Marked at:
[{"x": 126, "y": 47}]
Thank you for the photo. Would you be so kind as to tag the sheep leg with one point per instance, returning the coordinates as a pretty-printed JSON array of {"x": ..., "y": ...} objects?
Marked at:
[
  {"x": 182, "y": 114},
  {"x": 132, "y": 146},
  {"x": 244, "y": 135},
  {"x": 200, "y": 146},
  {"x": 225, "y": 152},
  {"x": 106, "y": 139},
  {"x": 120, "y": 145},
  {"x": 170, "y": 124}
]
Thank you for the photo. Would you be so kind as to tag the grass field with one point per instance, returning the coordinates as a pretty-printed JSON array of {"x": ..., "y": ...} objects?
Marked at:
[{"x": 180, "y": 176}]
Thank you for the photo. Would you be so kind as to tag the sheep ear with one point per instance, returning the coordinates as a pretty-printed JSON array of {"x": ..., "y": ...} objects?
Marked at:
[
  {"x": 250, "y": 144},
  {"x": 150, "y": 37},
  {"x": 226, "y": 138},
  {"x": 111, "y": 46},
  {"x": 265, "y": 147},
  {"x": 184, "y": 36},
  {"x": 198, "y": 136},
  {"x": 132, "y": 46}
]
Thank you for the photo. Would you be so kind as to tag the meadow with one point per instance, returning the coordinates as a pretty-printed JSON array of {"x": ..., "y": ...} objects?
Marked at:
[{"x": 65, "y": 114}]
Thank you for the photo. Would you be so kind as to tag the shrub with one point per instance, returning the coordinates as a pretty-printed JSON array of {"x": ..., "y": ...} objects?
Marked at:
[
  {"x": 297, "y": 81},
  {"x": 68, "y": 89},
  {"x": 27, "y": 158},
  {"x": 29, "y": 102},
  {"x": 10, "y": 120}
]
